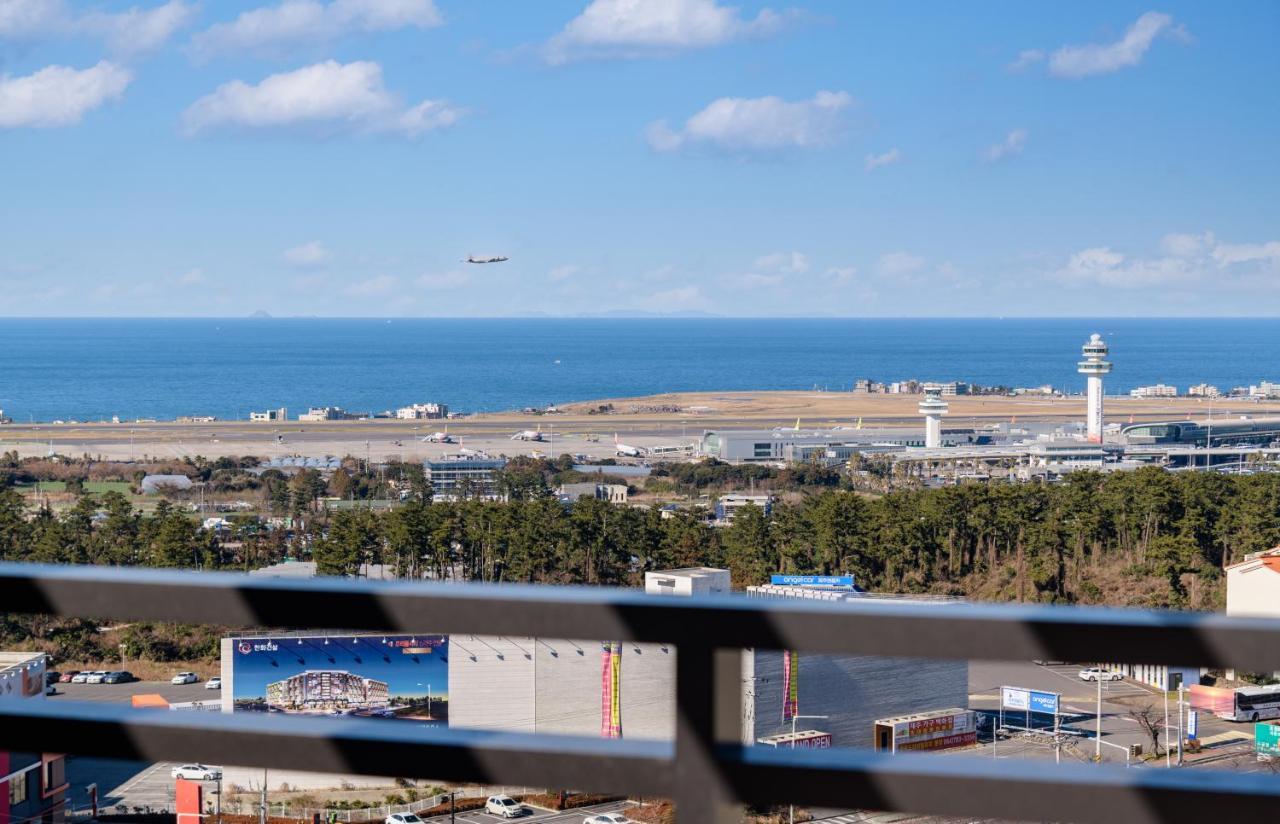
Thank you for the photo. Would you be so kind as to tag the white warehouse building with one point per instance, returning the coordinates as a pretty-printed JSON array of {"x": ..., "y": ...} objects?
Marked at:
[{"x": 558, "y": 686}]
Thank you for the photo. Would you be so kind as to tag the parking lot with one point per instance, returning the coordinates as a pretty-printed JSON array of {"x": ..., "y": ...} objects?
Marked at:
[
  {"x": 173, "y": 693},
  {"x": 541, "y": 816}
]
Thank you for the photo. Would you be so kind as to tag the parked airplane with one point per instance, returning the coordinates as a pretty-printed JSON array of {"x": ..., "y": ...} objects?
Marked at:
[
  {"x": 529, "y": 435},
  {"x": 438, "y": 437},
  {"x": 625, "y": 451},
  {"x": 486, "y": 259}
]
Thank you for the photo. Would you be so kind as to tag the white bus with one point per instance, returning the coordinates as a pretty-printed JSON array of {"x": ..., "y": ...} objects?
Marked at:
[{"x": 1256, "y": 703}]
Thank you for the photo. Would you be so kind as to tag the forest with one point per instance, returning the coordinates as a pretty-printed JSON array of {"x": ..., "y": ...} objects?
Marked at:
[{"x": 1145, "y": 538}]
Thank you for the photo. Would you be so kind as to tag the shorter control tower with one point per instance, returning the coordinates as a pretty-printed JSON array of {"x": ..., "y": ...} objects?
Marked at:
[
  {"x": 933, "y": 407},
  {"x": 1094, "y": 366}
]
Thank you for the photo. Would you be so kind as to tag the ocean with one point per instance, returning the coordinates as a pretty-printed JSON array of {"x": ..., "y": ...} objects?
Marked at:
[{"x": 92, "y": 369}]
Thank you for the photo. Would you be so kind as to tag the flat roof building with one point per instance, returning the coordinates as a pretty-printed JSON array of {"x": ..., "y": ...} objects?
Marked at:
[{"x": 458, "y": 477}]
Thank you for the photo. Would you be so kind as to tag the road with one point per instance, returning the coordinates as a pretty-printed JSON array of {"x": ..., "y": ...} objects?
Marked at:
[{"x": 541, "y": 816}]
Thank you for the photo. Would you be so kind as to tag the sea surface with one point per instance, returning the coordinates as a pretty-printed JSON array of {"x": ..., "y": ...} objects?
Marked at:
[{"x": 92, "y": 369}]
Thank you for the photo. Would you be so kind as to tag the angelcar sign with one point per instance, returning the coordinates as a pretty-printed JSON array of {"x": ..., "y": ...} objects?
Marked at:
[
  {"x": 812, "y": 580},
  {"x": 1017, "y": 698}
]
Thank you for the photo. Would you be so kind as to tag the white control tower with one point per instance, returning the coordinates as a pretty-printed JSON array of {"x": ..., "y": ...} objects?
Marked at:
[
  {"x": 933, "y": 407},
  {"x": 1095, "y": 365}
]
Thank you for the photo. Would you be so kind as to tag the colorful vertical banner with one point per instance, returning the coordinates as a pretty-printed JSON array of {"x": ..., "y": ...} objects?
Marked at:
[
  {"x": 611, "y": 690},
  {"x": 790, "y": 685}
]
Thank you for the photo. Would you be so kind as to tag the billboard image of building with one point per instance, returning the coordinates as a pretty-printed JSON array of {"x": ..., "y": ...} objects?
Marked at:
[{"x": 380, "y": 676}]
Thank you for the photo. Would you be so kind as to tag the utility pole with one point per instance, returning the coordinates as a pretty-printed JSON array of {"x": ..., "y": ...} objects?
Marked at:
[
  {"x": 791, "y": 809},
  {"x": 262, "y": 803},
  {"x": 1168, "y": 759},
  {"x": 1180, "y": 688},
  {"x": 1097, "y": 733}
]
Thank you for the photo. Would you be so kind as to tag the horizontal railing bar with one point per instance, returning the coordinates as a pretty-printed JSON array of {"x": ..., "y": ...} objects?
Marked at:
[
  {"x": 870, "y": 627},
  {"x": 395, "y": 749},
  {"x": 924, "y": 784},
  {"x": 1008, "y": 789}
]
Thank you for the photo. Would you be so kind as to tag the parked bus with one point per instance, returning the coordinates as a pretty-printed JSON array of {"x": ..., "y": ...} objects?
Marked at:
[{"x": 1243, "y": 704}]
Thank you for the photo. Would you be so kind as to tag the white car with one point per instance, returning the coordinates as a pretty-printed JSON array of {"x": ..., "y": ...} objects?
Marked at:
[
  {"x": 95, "y": 677},
  {"x": 1099, "y": 674},
  {"x": 504, "y": 805},
  {"x": 403, "y": 818},
  {"x": 608, "y": 818},
  {"x": 184, "y": 678},
  {"x": 214, "y": 683},
  {"x": 197, "y": 772}
]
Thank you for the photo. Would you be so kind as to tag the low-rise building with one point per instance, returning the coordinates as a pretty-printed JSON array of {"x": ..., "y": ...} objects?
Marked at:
[
  {"x": 728, "y": 505},
  {"x": 1265, "y": 389},
  {"x": 456, "y": 477},
  {"x": 422, "y": 411},
  {"x": 1203, "y": 390},
  {"x": 196, "y": 419},
  {"x": 33, "y": 785},
  {"x": 1159, "y": 390},
  {"x": 688, "y": 581},
  {"x": 613, "y": 493},
  {"x": 270, "y": 415},
  {"x": 317, "y": 414},
  {"x": 1253, "y": 585}
]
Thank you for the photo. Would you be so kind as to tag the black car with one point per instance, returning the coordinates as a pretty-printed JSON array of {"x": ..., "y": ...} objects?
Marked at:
[
  {"x": 51, "y": 677},
  {"x": 118, "y": 677}
]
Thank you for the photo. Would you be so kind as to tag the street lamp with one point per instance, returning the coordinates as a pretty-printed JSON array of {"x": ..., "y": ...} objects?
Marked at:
[{"x": 791, "y": 808}]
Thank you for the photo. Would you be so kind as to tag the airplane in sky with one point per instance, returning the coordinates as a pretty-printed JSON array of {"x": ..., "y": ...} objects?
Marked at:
[
  {"x": 625, "y": 451},
  {"x": 486, "y": 259},
  {"x": 438, "y": 437}
]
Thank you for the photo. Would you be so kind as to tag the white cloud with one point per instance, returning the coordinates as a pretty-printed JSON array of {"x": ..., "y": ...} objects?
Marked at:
[
  {"x": 1230, "y": 254},
  {"x": 130, "y": 31},
  {"x": 1187, "y": 258},
  {"x": 1184, "y": 245},
  {"x": 640, "y": 28},
  {"x": 24, "y": 18},
  {"x": 751, "y": 280},
  {"x": 446, "y": 280},
  {"x": 59, "y": 95},
  {"x": 372, "y": 287},
  {"x": 785, "y": 263},
  {"x": 309, "y": 22},
  {"x": 191, "y": 277},
  {"x": 308, "y": 255},
  {"x": 1105, "y": 58},
  {"x": 1026, "y": 59},
  {"x": 326, "y": 98},
  {"x": 1013, "y": 144},
  {"x": 875, "y": 161},
  {"x": 896, "y": 264},
  {"x": 758, "y": 124}
]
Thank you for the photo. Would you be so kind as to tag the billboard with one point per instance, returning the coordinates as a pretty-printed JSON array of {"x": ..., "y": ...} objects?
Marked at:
[
  {"x": 1017, "y": 698},
  {"x": 939, "y": 730},
  {"x": 1266, "y": 739},
  {"x": 812, "y": 580},
  {"x": 403, "y": 677}
]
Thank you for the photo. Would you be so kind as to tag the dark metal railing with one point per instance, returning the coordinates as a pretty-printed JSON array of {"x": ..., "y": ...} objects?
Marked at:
[{"x": 706, "y": 770}]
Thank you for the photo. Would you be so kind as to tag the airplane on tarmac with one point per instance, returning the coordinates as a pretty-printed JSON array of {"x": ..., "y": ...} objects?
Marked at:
[
  {"x": 625, "y": 451},
  {"x": 438, "y": 437},
  {"x": 530, "y": 435},
  {"x": 486, "y": 259}
]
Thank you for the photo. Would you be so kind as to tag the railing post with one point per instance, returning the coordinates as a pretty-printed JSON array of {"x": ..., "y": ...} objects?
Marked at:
[{"x": 708, "y": 713}]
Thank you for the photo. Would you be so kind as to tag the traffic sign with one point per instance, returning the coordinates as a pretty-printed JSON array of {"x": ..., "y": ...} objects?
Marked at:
[
  {"x": 1266, "y": 738},
  {"x": 1193, "y": 724}
]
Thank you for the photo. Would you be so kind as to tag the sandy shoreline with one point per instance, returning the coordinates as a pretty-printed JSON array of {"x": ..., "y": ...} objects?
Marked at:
[{"x": 645, "y": 421}]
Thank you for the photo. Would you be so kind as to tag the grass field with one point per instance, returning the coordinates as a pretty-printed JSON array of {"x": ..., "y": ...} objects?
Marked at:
[{"x": 92, "y": 487}]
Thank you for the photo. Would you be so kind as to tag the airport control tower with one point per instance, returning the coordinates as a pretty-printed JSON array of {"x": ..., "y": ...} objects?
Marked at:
[
  {"x": 933, "y": 407},
  {"x": 1095, "y": 365}
]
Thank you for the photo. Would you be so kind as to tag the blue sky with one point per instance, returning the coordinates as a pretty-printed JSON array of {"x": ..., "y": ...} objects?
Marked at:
[{"x": 340, "y": 157}]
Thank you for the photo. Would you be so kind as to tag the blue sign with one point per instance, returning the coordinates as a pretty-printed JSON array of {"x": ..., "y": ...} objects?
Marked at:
[
  {"x": 813, "y": 580},
  {"x": 1193, "y": 724},
  {"x": 1044, "y": 702}
]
